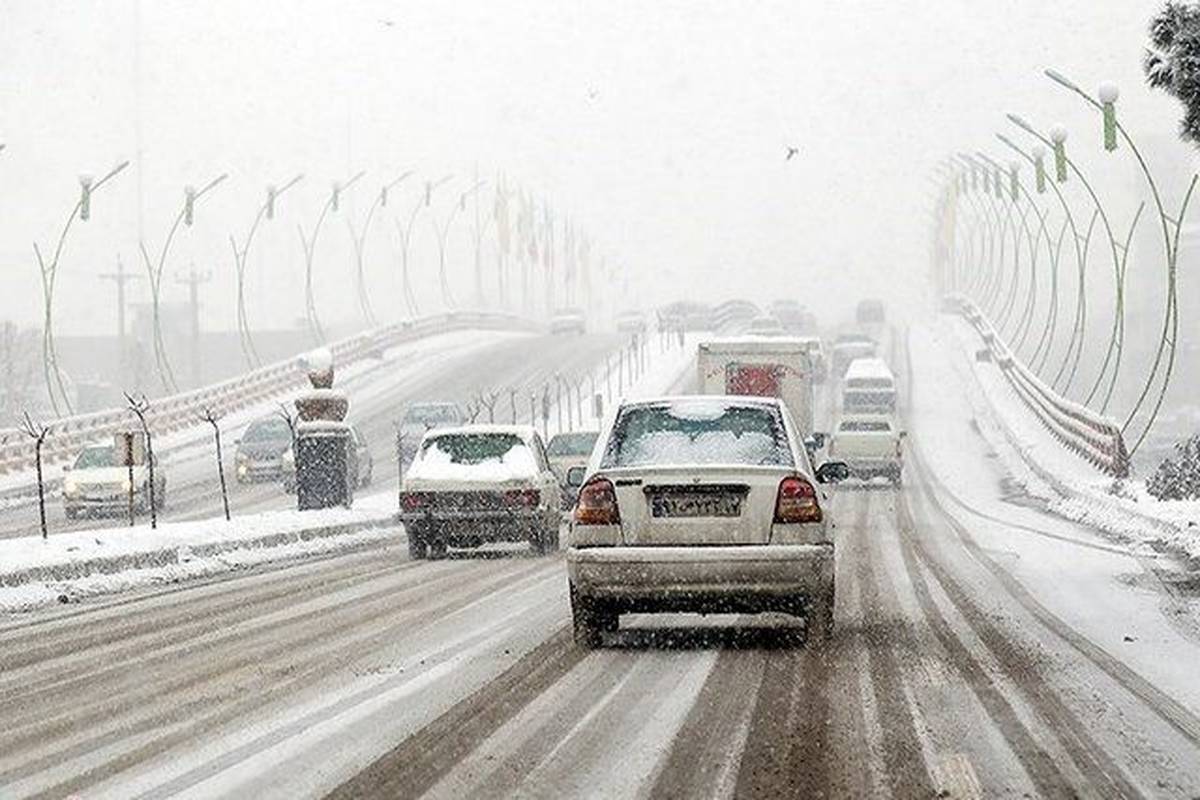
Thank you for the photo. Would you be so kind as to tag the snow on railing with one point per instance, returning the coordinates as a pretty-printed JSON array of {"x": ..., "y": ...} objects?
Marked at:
[
  {"x": 1092, "y": 436},
  {"x": 175, "y": 412}
]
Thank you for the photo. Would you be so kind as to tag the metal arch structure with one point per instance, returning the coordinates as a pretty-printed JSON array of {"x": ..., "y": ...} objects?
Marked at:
[
  {"x": 359, "y": 239},
  {"x": 265, "y": 211},
  {"x": 51, "y": 371},
  {"x": 154, "y": 271},
  {"x": 310, "y": 246}
]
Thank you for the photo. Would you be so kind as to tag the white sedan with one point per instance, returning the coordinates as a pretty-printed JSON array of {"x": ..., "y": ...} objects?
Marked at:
[
  {"x": 479, "y": 484},
  {"x": 701, "y": 504}
]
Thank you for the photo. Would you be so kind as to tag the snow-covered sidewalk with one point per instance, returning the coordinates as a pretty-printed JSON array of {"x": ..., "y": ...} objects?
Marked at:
[
  {"x": 70, "y": 566},
  {"x": 942, "y": 356}
]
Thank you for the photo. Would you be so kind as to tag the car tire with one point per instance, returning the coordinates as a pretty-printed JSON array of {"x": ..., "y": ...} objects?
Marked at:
[
  {"x": 71, "y": 513},
  {"x": 590, "y": 619},
  {"x": 818, "y": 618},
  {"x": 545, "y": 540},
  {"x": 437, "y": 549},
  {"x": 417, "y": 548}
]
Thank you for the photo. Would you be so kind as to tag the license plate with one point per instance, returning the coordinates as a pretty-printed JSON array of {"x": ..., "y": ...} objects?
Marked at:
[{"x": 695, "y": 505}]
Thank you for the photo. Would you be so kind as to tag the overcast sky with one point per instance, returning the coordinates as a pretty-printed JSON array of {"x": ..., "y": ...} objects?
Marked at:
[{"x": 660, "y": 126}]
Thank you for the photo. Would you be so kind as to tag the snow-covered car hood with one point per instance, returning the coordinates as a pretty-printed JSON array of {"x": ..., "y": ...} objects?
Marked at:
[{"x": 108, "y": 476}]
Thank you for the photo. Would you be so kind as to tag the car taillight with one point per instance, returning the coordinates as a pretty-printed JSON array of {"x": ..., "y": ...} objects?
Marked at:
[
  {"x": 597, "y": 504},
  {"x": 796, "y": 501},
  {"x": 522, "y": 498},
  {"x": 414, "y": 501}
]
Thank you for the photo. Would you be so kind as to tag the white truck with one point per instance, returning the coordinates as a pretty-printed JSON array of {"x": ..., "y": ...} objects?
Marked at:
[
  {"x": 870, "y": 446},
  {"x": 759, "y": 366},
  {"x": 868, "y": 387}
]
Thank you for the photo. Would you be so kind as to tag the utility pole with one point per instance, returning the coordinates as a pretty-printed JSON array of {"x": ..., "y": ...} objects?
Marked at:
[
  {"x": 193, "y": 279},
  {"x": 120, "y": 278}
]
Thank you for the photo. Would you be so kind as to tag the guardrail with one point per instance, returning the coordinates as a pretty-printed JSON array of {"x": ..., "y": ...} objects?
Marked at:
[
  {"x": 175, "y": 412},
  {"x": 1094, "y": 437}
]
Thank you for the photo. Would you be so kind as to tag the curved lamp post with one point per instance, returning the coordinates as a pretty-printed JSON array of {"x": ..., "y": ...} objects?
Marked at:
[
  {"x": 265, "y": 211},
  {"x": 1171, "y": 228},
  {"x": 360, "y": 238},
  {"x": 1064, "y": 165},
  {"x": 405, "y": 231},
  {"x": 49, "y": 270},
  {"x": 443, "y": 232},
  {"x": 155, "y": 271},
  {"x": 310, "y": 246}
]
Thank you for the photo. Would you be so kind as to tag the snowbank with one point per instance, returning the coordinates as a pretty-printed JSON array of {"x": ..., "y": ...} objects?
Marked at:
[
  {"x": 942, "y": 355},
  {"x": 70, "y": 566}
]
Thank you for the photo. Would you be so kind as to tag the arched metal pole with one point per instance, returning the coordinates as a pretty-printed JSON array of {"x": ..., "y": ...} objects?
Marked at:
[
  {"x": 51, "y": 371},
  {"x": 405, "y": 231},
  {"x": 154, "y": 272},
  {"x": 1168, "y": 340},
  {"x": 359, "y": 238},
  {"x": 310, "y": 247},
  {"x": 240, "y": 260}
]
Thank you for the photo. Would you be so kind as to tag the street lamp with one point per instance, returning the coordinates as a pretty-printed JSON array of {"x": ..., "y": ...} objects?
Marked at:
[
  {"x": 267, "y": 211},
  {"x": 359, "y": 239},
  {"x": 1171, "y": 227},
  {"x": 442, "y": 232},
  {"x": 49, "y": 271},
  {"x": 310, "y": 246},
  {"x": 405, "y": 230},
  {"x": 155, "y": 273}
]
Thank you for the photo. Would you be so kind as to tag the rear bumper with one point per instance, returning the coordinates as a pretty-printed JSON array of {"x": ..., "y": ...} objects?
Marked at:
[
  {"x": 684, "y": 578},
  {"x": 874, "y": 467},
  {"x": 500, "y": 525}
]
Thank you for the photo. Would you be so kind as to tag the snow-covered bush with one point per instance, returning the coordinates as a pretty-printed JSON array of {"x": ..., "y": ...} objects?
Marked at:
[
  {"x": 1172, "y": 62},
  {"x": 1178, "y": 478}
]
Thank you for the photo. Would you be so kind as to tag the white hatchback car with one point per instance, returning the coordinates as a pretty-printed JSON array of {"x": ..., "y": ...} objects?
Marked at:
[{"x": 701, "y": 504}]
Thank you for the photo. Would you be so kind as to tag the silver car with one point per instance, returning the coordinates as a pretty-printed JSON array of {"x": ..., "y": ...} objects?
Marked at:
[{"x": 701, "y": 504}]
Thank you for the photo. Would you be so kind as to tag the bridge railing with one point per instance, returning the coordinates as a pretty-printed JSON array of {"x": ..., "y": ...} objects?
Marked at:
[
  {"x": 179, "y": 411},
  {"x": 1094, "y": 437}
]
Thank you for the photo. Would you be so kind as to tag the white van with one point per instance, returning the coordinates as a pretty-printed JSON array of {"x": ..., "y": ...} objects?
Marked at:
[
  {"x": 764, "y": 367},
  {"x": 868, "y": 387}
]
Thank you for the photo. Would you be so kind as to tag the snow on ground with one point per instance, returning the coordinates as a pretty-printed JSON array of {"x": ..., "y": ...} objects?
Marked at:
[
  {"x": 943, "y": 356},
  {"x": 36, "y": 572}
]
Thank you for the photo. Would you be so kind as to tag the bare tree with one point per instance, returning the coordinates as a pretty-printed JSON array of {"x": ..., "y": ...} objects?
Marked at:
[
  {"x": 38, "y": 432},
  {"x": 488, "y": 400},
  {"x": 211, "y": 417},
  {"x": 472, "y": 410},
  {"x": 139, "y": 407}
]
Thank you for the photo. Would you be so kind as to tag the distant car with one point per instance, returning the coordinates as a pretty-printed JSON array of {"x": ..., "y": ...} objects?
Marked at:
[
  {"x": 704, "y": 504},
  {"x": 765, "y": 326},
  {"x": 870, "y": 445},
  {"x": 849, "y": 347},
  {"x": 95, "y": 484},
  {"x": 258, "y": 454},
  {"x": 420, "y": 418},
  {"x": 567, "y": 450},
  {"x": 868, "y": 387},
  {"x": 477, "y": 484},
  {"x": 869, "y": 312},
  {"x": 631, "y": 322},
  {"x": 362, "y": 464},
  {"x": 568, "y": 320},
  {"x": 793, "y": 316}
]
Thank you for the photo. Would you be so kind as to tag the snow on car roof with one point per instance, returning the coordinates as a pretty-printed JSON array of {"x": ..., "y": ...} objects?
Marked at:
[
  {"x": 868, "y": 368},
  {"x": 757, "y": 344}
]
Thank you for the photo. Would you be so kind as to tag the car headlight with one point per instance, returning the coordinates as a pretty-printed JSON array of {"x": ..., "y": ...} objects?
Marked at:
[
  {"x": 126, "y": 485},
  {"x": 70, "y": 487}
]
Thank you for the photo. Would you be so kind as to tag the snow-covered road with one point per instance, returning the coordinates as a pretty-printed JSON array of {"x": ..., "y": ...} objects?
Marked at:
[{"x": 984, "y": 648}]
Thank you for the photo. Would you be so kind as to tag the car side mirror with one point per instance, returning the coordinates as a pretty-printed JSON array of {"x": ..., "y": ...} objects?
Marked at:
[
  {"x": 815, "y": 441},
  {"x": 903, "y": 434},
  {"x": 833, "y": 472},
  {"x": 575, "y": 476}
]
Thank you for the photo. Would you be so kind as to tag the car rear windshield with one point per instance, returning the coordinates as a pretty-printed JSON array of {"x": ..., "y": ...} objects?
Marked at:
[
  {"x": 473, "y": 448},
  {"x": 865, "y": 425},
  {"x": 869, "y": 383},
  {"x": 699, "y": 432},
  {"x": 95, "y": 457},
  {"x": 572, "y": 444},
  {"x": 268, "y": 430}
]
